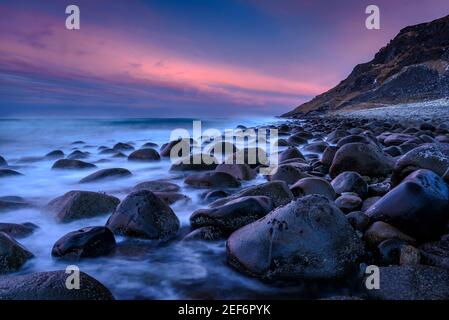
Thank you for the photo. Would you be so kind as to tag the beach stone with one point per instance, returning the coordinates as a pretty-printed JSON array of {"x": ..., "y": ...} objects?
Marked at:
[
  {"x": 328, "y": 155},
  {"x": 148, "y": 154},
  {"x": 142, "y": 214},
  {"x": 234, "y": 214},
  {"x": 358, "y": 220},
  {"x": 157, "y": 186},
  {"x": 214, "y": 195},
  {"x": 12, "y": 254},
  {"x": 379, "y": 189},
  {"x": 205, "y": 234},
  {"x": 290, "y": 153},
  {"x": 309, "y": 186},
  {"x": 220, "y": 148},
  {"x": 396, "y": 139},
  {"x": 350, "y": 181},
  {"x": 369, "y": 202},
  {"x": 434, "y": 157},
  {"x": 365, "y": 159},
  {"x": 171, "y": 197},
  {"x": 12, "y": 203},
  {"x": 348, "y": 202},
  {"x": 51, "y": 286},
  {"x": 315, "y": 147},
  {"x": 3, "y": 162},
  {"x": 253, "y": 157},
  {"x": 9, "y": 173},
  {"x": 409, "y": 255},
  {"x": 76, "y": 205},
  {"x": 390, "y": 251},
  {"x": 119, "y": 147},
  {"x": 436, "y": 253},
  {"x": 119, "y": 155},
  {"x": 106, "y": 174},
  {"x": 283, "y": 143},
  {"x": 72, "y": 164},
  {"x": 107, "y": 151},
  {"x": 87, "y": 242},
  {"x": 78, "y": 142},
  {"x": 418, "y": 206},
  {"x": 337, "y": 134},
  {"x": 354, "y": 139},
  {"x": 18, "y": 230},
  {"x": 277, "y": 191},
  {"x": 412, "y": 283},
  {"x": 179, "y": 147},
  {"x": 309, "y": 238},
  {"x": 393, "y": 151},
  {"x": 55, "y": 154},
  {"x": 381, "y": 231},
  {"x": 297, "y": 140},
  {"x": 288, "y": 173},
  {"x": 76, "y": 155},
  {"x": 197, "y": 162},
  {"x": 238, "y": 171},
  {"x": 212, "y": 180}
]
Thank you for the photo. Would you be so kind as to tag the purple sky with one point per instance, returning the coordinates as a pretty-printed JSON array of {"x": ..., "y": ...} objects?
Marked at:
[{"x": 187, "y": 58}]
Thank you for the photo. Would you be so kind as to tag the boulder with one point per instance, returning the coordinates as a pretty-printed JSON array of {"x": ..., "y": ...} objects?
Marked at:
[
  {"x": 88, "y": 242},
  {"x": 215, "y": 195},
  {"x": 72, "y": 164},
  {"x": 328, "y": 155},
  {"x": 238, "y": 171},
  {"x": 358, "y": 220},
  {"x": 51, "y": 286},
  {"x": 197, "y": 162},
  {"x": 290, "y": 153},
  {"x": 436, "y": 253},
  {"x": 76, "y": 155},
  {"x": 179, "y": 147},
  {"x": 119, "y": 147},
  {"x": 106, "y": 174},
  {"x": 418, "y": 206},
  {"x": 55, "y": 154},
  {"x": 365, "y": 159},
  {"x": 157, "y": 186},
  {"x": 253, "y": 157},
  {"x": 350, "y": 181},
  {"x": 9, "y": 173},
  {"x": 76, "y": 205},
  {"x": 234, "y": 214},
  {"x": 205, "y": 234},
  {"x": 3, "y": 162},
  {"x": 309, "y": 186},
  {"x": 212, "y": 180},
  {"x": 148, "y": 154},
  {"x": 12, "y": 203},
  {"x": 12, "y": 254},
  {"x": 381, "y": 231},
  {"x": 18, "y": 230},
  {"x": 142, "y": 214},
  {"x": 307, "y": 239},
  {"x": 348, "y": 202},
  {"x": 149, "y": 145},
  {"x": 171, "y": 197},
  {"x": 315, "y": 147},
  {"x": 289, "y": 173}
]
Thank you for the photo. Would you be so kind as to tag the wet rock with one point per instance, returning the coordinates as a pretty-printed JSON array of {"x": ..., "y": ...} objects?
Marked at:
[
  {"x": 369, "y": 202},
  {"x": 106, "y": 174},
  {"x": 277, "y": 191},
  {"x": 119, "y": 155},
  {"x": 309, "y": 238},
  {"x": 409, "y": 255},
  {"x": 290, "y": 153},
  {"x": 296, "y": 140},
  {"x": 289, "y": 173},
  {"x": 397, "y": 139},
  {"x": 309, "y": 186},
  {"x": 390, "y": 251},
  {"x": 364, "y": 159},
  {"x": 412, "y": 283},
  {"x": 205, "y": 234},
  {"x": 9, "y": 173},
  {"x": 3, "y": 162},
  {"x": 82, "y": 204},
  {"x": 12, "y": 254},
  {"x": 350, "y": 181},
  {"x": 142, "y": 214},
  {"x": 56, "y": 154},
  {"x": 348, "y": 202},
  {"x": 434, "y": 157},
  {"x": 283, "y": 143},
  {"x": 436, "y": 253},
  {"x": 72, "y": 164},
  {"x": 148, "y": 154},
  {"x": 88, "y": 242},
  {"x": 107, "y": 151},
  {"x": 393, "y": 151},
  {"x": 315, "y": 147},
  {"x": 12, "y": 203},
  {"x": 18, "y": 230},
  {"x": 51, "y": 286},
  {"x": 76, "y": 155},
  {"x": 354, "y": 139},
  {"x": 381, "y": 231},
  {"x": 157, "y": 186},
  {"x": 172, "y": 197},
  {"x": 215, "y": 195},
  {"x": 358, "y": 220},
  {"x": 253, "y": 157},
  {"x": 212, "y": 180},
  {"x": 149, "y": 145},
  {"x": 418, "y": 206},
  {"x": 177, "y": 148},
  {"x": 337, "y": 134},
  {"x": 238, "y": 171},
  {"x": 197, "y": 162},
  {"x": 328, "y": 155},
  {"x": 120, "y": 147},
  {"x": 379, "y": 189},
  {"x": 234, "y": 214},
  {"x": 77, "y": 143}
]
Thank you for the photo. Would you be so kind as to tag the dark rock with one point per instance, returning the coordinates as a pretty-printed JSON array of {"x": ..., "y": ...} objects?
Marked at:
[
  {"x": 12, "y": 203},
  {"x": 171, "y": 197},
  {"x": 365, "y": 159},
  {"x": 253, "y": 157},
  {"x": 350, "y": 181},
  {"x": 436, "y": 253},
  {"x": 72, "y": 164},
  {"x": 234, "y": 214},
  {"x": 51, "y": 286},
  {"x": 409, "y": 255},
  {"x": 18, "y": 230},
  {"x": 309, "y": 238},
  {"x": 393, "y": 151},
  {"x": 148, "y": 154},
  {"x": 212, "y": 180},
  {"x": 348, "y": 202},
  {"x": 119, "y": 147},
  {"x": 309, "y": 186},
  {"x": 369, "y": 202},
  {"x": 289, "y": 173},
  {"x": 3, "y": 162},
  {"x": 181, "y": 148},
  {"x": 142, "y": 214},
  {"x": 296, "y": 140},
  {"x": 119, "y": 155},
  {"x": 157, "y": 186},
  {"x": 397, "y": 139},
  {"x": 337, "y": 134},
  {"x": 239, "y": 171},
  {"x": 381, "y": 231},
  {"x": 354, "y": 139},
  {"x": 76, "y": 155},
  {"x": 149, "y": 145},
  {"x": 418, "y": 206},
  {"x": 328, "y": 155},
  {"x": 390, "y": 251},
  {"x": 9, "y": 173},
  {"x": 283, "y": 143},
  {"x": 88, "y": 242},
  {"x": 215, "y": 195},
  {"x": 107, "y": 151},
  {"x": 379, "y": 189},
  {"x": 315, "y": 147},
  {"x": 12, "y": 254},
  {"x": 358, "y": 220},
  {"x": 56, "y": 154},
  {"x": 106, "y": 174},
  {"x": 290, "y": 153},
  {"x": 197, "y": 162},
  {"x": 82, "y": 204},
  {"x": 205, "y": 234},
  {"x": 77, "y": 142}
]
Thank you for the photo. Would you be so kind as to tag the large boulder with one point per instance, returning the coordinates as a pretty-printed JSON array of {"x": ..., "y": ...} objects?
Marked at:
[
  {"x": 106, "y": 174},
  {"x": 147, "y": 154},
  {"x": 197, "y": 162},
  {"x": 55, "y": 154},
  {"x": 434, "y": 156},
  {"x": 119, "y": 147},
  {"x": 307, "y": 239},
  {"x": 179, "y": 147},
  {"x": 212, "y": 180},
  {"x": 418, "y": 206},
  {"x": 380, "y": 231},
  {"x": 239, "y": 171},
  {"x": 12, "y": 203},
  {"x": 277, "y": 191},
  {"x": 350, "y": 181},
  {"x": 72, "y": 164},
  {"x": 289, "y": 173},
  {"x": 18, "y": 230},
  {"x": 12, "y": 254},
  {"x": 234, "y": 214},
  {"x": 366, "y": 159},
  {"x": 3, "y": 162},
  {"x": 290, "y": 153},
  {"x": 9, "y": 173},
  {"x": 313, "y": 185},
  {"x": 142, "y": 214},
  {"x": 157, "y": 186},
  {"x": 81, "y": 204},
  {"x": 88, "y": 242},
  {"x": 51, "y": 286}
]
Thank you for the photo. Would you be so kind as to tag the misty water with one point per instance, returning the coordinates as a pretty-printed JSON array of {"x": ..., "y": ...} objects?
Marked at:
[{"x": 138, "y": 269}]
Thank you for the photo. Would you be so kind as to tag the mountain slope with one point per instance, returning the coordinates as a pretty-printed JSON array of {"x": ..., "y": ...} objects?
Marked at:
[{"x": 413, "y": 67}]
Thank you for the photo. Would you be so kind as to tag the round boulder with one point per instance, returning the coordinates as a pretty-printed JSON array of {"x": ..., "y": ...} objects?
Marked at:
[
  {"x": 212, "y": 180},
  {"x": 72, "y": 164},
  {"x": 309, "y": 186},
  {"x": 350, "y": 181},
  {"x": 147, "y": 154},
  {"x": 12, "y": 254},
  {"x": 106, "y": 174}
]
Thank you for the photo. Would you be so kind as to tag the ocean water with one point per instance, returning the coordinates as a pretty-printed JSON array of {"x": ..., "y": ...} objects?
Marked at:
[{"x": 139, "y": 269}]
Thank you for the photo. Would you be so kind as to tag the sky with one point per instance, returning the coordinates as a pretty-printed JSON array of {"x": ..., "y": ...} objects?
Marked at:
[{"x": 182, "y": 58}]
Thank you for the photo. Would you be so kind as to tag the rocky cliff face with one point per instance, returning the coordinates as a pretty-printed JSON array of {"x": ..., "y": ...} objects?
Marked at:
[{"x": 413, "y": 67}]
